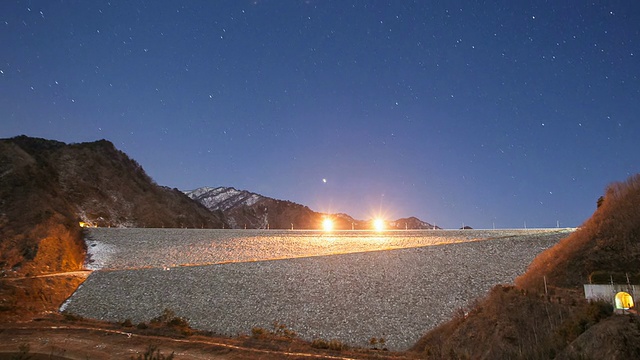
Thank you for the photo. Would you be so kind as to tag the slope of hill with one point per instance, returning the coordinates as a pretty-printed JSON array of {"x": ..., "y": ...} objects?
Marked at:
[
  {"x": 609, "y": 242},
  {"x": 531, "y": 321},
  {"x": 223, "y": 198},
  {"x": 411, "y": 223},
  {"x": 48, "y": 187},
  {"x": 244, "y": 209}
]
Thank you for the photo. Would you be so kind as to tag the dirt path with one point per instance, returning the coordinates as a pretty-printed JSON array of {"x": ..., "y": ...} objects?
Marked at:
[{"x": 88, "y": 342}]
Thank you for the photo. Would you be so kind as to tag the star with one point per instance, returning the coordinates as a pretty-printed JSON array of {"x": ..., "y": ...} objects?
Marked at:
[{"x": 343, "y": 96}]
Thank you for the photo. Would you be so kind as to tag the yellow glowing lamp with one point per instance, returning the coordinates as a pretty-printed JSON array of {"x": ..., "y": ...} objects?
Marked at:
[
  {"x": 624, "y": 301},
  {"x": 378, "y": 224},
  {"x": 327, "y": 224}
]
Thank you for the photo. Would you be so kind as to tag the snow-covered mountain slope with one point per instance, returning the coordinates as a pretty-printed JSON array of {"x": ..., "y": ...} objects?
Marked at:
[
  {"x": 244, "y": 209},
  {"x": 223, "y": 198}
]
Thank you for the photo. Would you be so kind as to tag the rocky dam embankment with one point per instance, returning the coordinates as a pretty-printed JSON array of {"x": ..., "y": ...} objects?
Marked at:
[{"x": 345, "y": 286}]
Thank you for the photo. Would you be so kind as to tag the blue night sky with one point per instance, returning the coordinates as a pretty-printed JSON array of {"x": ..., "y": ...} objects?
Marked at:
[{"x": 474, "y": 112}]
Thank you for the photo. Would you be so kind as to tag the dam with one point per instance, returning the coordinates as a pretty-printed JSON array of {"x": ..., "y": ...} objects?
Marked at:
[{"x": 347, "y": 285}]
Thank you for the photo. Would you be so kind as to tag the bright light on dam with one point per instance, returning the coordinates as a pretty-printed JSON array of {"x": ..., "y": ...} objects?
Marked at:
[
  {"x": 378, "y": 224},
  {"x": 327, "y": 224}
]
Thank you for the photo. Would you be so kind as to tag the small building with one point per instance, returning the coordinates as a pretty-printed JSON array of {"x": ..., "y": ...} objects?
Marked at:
[{"x": 621, "y": 296}]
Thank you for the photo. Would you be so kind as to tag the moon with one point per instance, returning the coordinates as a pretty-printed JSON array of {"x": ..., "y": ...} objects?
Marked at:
[{"x": 324, "y": 180}]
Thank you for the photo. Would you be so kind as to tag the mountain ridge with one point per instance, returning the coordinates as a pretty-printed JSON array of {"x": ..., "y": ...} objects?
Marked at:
[
  {"x": 47, "y": 188},
  {"x": 245, "y": 209}
]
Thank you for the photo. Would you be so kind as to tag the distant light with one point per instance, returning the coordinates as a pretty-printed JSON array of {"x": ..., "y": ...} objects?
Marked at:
[
  {"x": 378, "y": 224},
  {"x": 324, "y": 181},
  {"x": 327, "y": 224}
]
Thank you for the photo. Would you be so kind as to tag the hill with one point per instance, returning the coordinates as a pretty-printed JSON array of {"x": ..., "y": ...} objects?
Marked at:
[
  {"x": 531, "y": 321},
  {"x": 609, "y": 242},
  {"x": 244, "y": 209},
  {"x": 48, "y": 187},
  {"x": 411, "y": 223}
]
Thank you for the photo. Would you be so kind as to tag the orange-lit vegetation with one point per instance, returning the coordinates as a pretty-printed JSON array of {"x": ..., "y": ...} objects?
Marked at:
[
  {"x": 511, "y": 323},
  {"x": 608, "y": 242},
  {"x": 59, "y": 249},
  {"x": 46, "y": 184},
  {"x": 529, "y": 322}
]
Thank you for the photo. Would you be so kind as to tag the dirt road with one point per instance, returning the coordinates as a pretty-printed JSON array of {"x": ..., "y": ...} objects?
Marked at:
[{"x": 62, "y": 341}]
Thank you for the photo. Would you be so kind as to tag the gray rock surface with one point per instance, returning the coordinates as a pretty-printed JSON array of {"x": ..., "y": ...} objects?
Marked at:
[{"x": 395, "y": 294}]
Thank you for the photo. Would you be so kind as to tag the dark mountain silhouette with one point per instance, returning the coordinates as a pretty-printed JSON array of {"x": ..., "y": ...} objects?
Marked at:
[
  {"x": 48, "y": 187},
  {"x": 244, "y": 209},
  {"x": 254, "y": 211},
  {"x": 411, "y": 223}
]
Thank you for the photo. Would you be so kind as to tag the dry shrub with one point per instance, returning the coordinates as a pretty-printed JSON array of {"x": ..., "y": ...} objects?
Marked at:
[
  {"x": 60, "y": 247},
  {"x": 616, "y": 337},
  {"x": 46, "y": 184},
  {"x": 279, "y": 332},
  {"x": 608, "y": 241},
  {"x": 168, "y": 320},
  {"x": 335, "y": 345},
  {"x": 511, "y": 323},
  {"x": 29, "y": 296},
  {"x": 520, "y": 322},
  {"x": 259, "y": 333},
  {"x": 153, "y": 353}
]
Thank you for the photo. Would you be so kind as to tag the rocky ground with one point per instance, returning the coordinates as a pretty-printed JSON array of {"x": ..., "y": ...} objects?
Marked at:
[
  {"x": 119, "y": 248},
  {"x": 396, "y": 294}
]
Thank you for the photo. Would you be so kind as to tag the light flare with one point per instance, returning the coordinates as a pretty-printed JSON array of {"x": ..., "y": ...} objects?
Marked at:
[
  {"x": 378, "y": 224},
  {"x": 327, "y": 224}
]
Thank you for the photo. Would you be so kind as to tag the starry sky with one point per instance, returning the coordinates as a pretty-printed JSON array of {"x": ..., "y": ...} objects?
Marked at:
[{"x": 482, "y": 113}]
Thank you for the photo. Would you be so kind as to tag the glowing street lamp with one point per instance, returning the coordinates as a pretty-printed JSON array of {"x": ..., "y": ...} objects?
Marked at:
[
  {"x": 327, "y": 224},
  {"x": 378, "y": 224}
]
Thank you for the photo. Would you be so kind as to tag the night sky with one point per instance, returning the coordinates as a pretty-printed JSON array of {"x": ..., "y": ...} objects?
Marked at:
[{"x": 477, "y": 112}]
